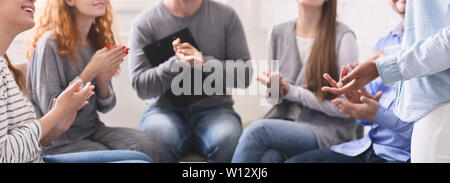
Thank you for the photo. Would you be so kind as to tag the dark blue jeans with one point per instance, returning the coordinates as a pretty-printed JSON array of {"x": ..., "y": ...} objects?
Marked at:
[
  {"x": 213, "y": 132},
  {"x": 326, "y": 155}
]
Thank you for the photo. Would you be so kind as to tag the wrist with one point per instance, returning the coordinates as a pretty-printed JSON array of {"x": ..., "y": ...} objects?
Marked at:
[{"x": 87, "y": 75}]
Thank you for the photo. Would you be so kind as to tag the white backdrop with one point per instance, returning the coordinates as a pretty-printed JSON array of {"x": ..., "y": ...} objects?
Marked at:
[{"x": 370, "y": 19}]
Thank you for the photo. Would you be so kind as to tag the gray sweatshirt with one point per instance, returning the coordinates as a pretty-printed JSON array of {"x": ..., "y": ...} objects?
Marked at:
[
  {"x": 49, "y": 74},
  {"x": 217, "y": 31}
]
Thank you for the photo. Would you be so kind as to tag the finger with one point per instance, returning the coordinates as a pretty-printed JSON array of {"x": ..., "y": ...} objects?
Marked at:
[
  {"x": 54, "y": 103},
  {"x": 368, "y": 100},
  {"x": 176, "y": 42},
  {"x": 354, "y": 65},
  {"x": 186, "y": 45},
  {"x": 262, "y": 81},
  {"x": 365, "y": 93},
  {"x": 87, "y": 88},
  {"x": 378, "y": 96},
  {"x": 186, "y": 51},
  {"x": 344, "y": 72},
  {"x": 76, "y": 86},
  {"x": 117, "y": 53},
  {"x": 348, "y": 78},
  {"x": 352, "y": 86},
  {"x": 330, "y": 80}
]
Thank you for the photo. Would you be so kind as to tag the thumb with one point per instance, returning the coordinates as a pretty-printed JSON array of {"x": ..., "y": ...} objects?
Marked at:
[
  {"x": 54, "y": 103},
  {"x": 367, "y": 100},
  {"x": 378, "y": 95},
  {"x": 76, "y": 86},
  {"x": 347, "y": 79}
]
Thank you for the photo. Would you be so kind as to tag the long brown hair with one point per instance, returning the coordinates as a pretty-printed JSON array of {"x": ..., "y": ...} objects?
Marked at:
[
  {"x": 59, "y": 17},
  {"x": 323, "y": 54},
  {"x": 18, "y": 75}
]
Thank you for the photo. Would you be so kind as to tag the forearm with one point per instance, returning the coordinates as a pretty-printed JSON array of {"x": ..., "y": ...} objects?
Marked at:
[
  {"x": 48, "y": 126},
  {"x": 423, "y": 58},
  {"x": 150, "y": 81},
  {"x": 102, "y": 90},
  {"x": 308, "y": 99},
  {"x": 87, "y": 75}
]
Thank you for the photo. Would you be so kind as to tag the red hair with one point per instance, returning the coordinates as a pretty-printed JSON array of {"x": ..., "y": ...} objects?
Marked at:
[{"x": 59, "y": 17}]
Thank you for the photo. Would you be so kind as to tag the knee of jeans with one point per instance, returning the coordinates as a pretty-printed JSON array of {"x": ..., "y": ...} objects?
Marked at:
[
  {"x": 222, "y": 149},
  {"x": 256, "y": 128},
  {"x": 272, "y": 156}
]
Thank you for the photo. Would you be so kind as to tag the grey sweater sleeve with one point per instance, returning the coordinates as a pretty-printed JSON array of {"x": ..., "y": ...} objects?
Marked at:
[
  {"x": 43, "y": 73},
  {"x": 106, "y": 105},
  {"x": 147, "y": 81}
]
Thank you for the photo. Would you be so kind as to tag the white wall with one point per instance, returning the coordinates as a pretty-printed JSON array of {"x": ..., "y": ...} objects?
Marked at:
[{"x": 370, "y": 19}]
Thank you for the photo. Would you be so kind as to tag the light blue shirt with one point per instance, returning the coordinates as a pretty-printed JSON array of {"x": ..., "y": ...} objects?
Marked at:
[
  {"x": 422, "y": 65},
  {"x": 389, "y": 136}
]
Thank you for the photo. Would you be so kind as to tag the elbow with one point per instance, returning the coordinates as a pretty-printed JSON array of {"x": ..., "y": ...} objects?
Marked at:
[{"x": 141, "y": 92}]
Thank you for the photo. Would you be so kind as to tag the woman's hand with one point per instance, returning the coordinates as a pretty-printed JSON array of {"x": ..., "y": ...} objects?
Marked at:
[
  {"x": 188, "y": 54},
  {"x": 104, "y": 60},
  {"x": 64, "y": 111},
  {"x": 362, "y": 75},
  {"x": 352, "y": 96},
  {"x": 283, "y": 84},
  {"x": 70, "y": 102}
]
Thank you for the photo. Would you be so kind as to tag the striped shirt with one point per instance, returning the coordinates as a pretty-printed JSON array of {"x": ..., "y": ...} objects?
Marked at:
[{"x": 19, "y": 129}]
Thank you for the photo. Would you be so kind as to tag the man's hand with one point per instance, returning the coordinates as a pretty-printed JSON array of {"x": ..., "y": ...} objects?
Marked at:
[
  {"x": 362, "y": 75},
  {"x": 366, "y": 111},
  {"x": 188, "y": 54}
]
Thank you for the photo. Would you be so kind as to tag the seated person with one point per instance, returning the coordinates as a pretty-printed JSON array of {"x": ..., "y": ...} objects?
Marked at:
[
  {"x": 389, "y": 139},
  {"x": 209, "y": 126},
  {"x": 62, "y": 52}
]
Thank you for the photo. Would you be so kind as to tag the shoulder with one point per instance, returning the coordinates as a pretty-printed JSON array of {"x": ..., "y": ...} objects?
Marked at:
[
  {"x": 219, "y": 7},
  {"x": 284, "y": 27},
  {"x": 343, "y": 29},
  {"x": 282, "y": 31},
  {"x": 151, "y": 15},
  {"x": 47, "y": 41}
]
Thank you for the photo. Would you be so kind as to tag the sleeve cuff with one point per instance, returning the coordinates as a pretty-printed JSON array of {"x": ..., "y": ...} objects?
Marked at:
[
  {"x": 389, "y": 70},
  {"x": 107, "y": 101},
  {"x": 294, "y": 93}
]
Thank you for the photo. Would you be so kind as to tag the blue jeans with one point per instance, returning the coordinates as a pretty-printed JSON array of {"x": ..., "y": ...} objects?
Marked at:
[
  {"x": 111, "y": 156},
  {"x": 271, "y": 141},
  {"x": 326, "y": 155},
  {"x": 212, "y": 132}
]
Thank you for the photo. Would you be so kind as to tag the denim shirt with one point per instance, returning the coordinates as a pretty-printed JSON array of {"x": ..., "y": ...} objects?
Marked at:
[
  {"x": 389, "y": 136},
  {"x": 421, "y": 66}
]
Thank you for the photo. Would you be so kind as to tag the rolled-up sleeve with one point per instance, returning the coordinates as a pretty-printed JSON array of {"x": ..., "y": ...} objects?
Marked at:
[{"x": 423, "y": 58}]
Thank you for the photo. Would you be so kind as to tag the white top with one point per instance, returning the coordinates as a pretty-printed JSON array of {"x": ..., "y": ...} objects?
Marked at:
[
  {"x": 347, "y": 53},
  {"x": 304, "y": 46},
  {"x": 19, "y": 130}
]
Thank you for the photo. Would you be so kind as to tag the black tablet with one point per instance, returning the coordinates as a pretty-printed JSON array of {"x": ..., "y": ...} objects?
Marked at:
[{"x": 161, "y": 50}]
